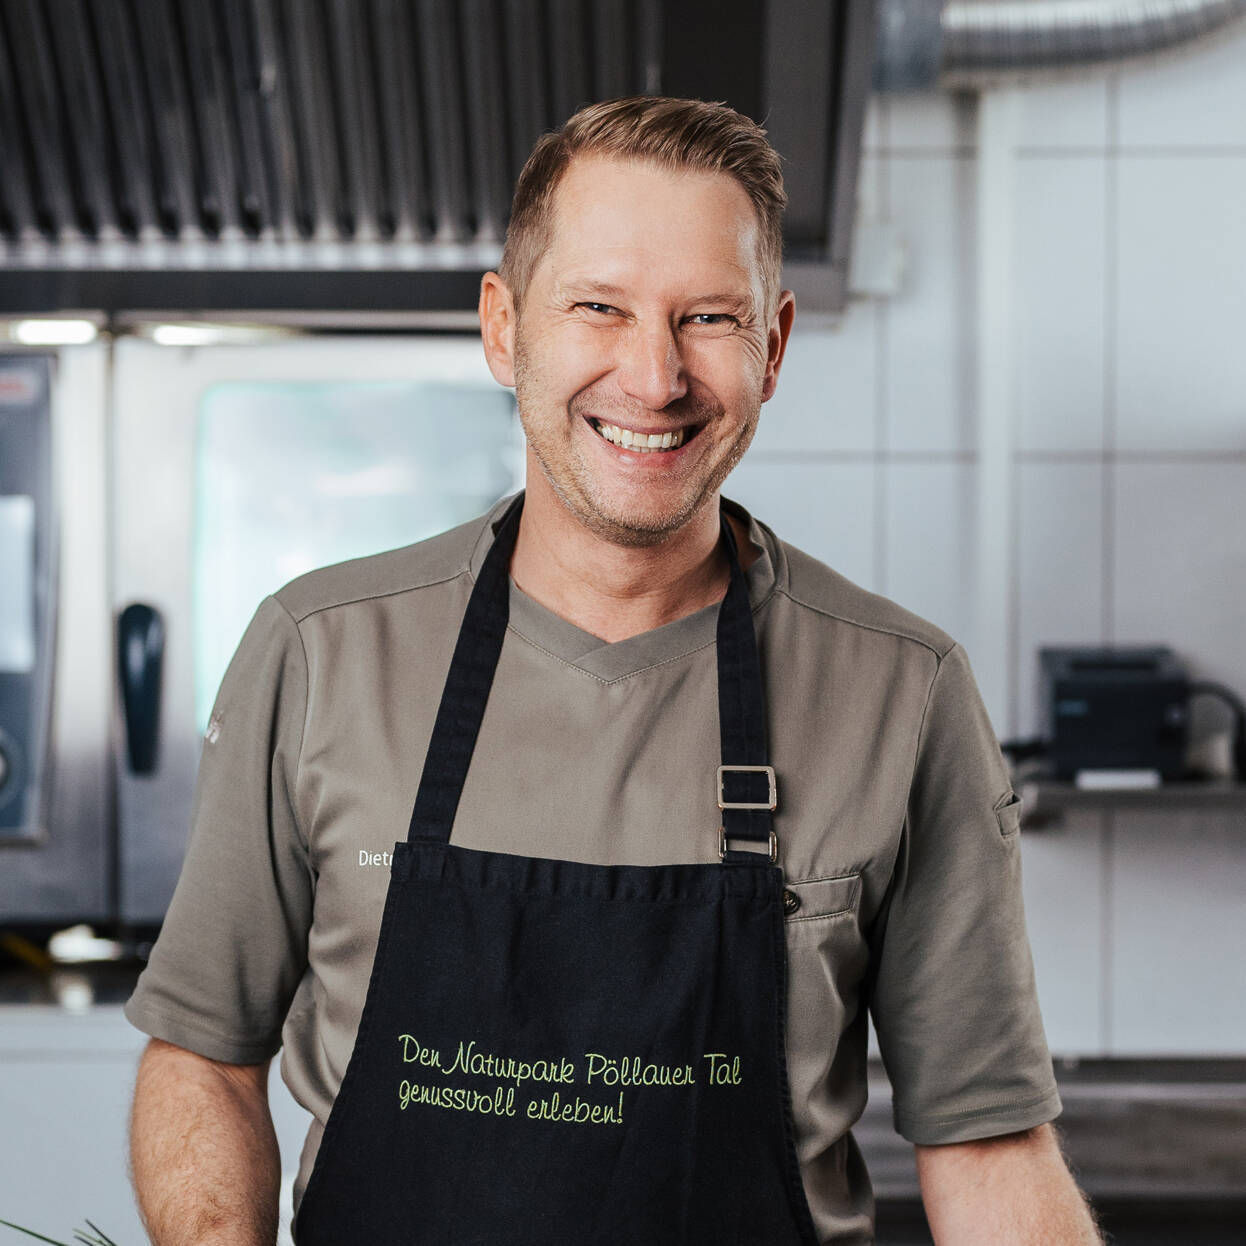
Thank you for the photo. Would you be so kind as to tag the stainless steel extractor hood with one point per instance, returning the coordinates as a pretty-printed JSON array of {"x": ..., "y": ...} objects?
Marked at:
[{"x": 357, "y": 156}]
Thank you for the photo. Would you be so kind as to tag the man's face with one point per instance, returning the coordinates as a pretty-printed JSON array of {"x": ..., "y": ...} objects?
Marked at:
[{"x": 641, "y": 356}]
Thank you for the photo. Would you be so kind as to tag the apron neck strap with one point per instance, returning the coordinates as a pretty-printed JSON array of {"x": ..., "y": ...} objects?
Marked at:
[
  {"x": 466, "y": 691},
  {"x": 745, "y": 781}
]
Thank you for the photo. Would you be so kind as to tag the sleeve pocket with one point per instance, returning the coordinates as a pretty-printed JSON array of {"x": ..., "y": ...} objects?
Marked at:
[
  {"x": 824, "y": 897},
  {"x": 1008, "y": 814}
]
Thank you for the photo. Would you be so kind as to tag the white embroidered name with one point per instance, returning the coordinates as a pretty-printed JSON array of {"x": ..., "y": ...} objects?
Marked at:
[{"x": 374, "y": 858}]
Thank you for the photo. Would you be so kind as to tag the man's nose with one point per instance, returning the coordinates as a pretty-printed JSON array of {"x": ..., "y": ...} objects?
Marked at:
[{"x": 650, "y": 367}]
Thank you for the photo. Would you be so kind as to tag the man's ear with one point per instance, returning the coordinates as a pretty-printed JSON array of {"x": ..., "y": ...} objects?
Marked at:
[
  {"x": 497, "y": 328},
  {"x": 779, "y": 331}
]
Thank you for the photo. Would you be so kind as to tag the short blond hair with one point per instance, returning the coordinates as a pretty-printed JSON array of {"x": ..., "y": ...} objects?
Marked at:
[{"x": 674, "y": 134}]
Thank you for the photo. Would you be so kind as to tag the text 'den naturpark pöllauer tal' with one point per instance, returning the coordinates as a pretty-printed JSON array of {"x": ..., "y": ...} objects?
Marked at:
[{"x": 587, "y": 1089}]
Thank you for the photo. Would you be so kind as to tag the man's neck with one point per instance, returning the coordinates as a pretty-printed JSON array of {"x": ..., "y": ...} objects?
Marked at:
[{"x": 614, "y": 591}]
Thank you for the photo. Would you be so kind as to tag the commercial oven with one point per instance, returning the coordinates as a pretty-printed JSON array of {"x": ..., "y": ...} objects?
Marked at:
[{"x": 159, "y": 493}]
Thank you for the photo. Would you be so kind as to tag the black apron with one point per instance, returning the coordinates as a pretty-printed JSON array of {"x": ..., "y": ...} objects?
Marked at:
[{"x": 553, "y": 1052}]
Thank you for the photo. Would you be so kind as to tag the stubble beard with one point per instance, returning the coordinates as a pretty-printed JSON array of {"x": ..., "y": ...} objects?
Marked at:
[{"x": 572, "y": 481}]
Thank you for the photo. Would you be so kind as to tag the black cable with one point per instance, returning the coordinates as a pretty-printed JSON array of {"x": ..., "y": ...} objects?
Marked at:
[
  {"x": 1234, "y": 702},
  {"x": 1023, "y": 750}
]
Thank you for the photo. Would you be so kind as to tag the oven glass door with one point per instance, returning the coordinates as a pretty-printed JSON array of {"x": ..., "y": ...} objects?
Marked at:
[{"x": 239, "y": 468}]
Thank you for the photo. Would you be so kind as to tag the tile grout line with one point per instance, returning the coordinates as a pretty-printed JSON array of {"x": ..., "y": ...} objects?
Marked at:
[
  {"x": 1107, "y": 536},
  {"x": 882, "y": 346},
  {"x": 1188, "y": 457},
  {"x": 1153, "y": 151},
  {"x": 1111, "y": 284},
  {"x": 1012, "y": 633},
  {"x": 1107, "y": 901},
  {"x": 1194, "y": 458},
  {"x": 1013, "y": 639},
  {"x": 881, "y": 474},
  {"x": 1086, "y": 151}
]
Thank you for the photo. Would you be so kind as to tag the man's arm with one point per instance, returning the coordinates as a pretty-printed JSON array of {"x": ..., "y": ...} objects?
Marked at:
[
  {"x": 203, "y": 1152},
  {"x": 1013, "y": 1190}
]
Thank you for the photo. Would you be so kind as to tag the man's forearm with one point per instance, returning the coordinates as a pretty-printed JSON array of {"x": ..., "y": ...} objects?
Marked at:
[
  {"x": 203, "y": 1151},
  {"x": 1015, "y": 1190}
]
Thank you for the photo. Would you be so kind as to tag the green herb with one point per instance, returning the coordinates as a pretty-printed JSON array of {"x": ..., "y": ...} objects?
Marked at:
[{"x": 97, "y": 1236}]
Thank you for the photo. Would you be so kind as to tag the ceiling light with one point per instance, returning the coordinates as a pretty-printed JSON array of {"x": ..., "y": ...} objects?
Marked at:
[
  {"x": 208, "y": 333},
  {"x": 52, "y": 332},
  {"x": 185, "y": 334}
]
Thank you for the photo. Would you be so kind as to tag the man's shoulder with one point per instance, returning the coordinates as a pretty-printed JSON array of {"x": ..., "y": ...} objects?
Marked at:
[
  {"x": 420, "y": 565},
  {"x": 810, "y": 583}
]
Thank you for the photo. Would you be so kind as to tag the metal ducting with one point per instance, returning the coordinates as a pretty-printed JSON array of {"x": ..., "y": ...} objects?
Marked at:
[
  {"x": 201, "y": 155},
  {"x": 924, "y": 44}
]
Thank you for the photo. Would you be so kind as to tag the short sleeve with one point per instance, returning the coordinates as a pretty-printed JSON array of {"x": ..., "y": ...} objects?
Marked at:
[
  {"x": 953, "y": 993},
  {"x": 233, "y": 946}
]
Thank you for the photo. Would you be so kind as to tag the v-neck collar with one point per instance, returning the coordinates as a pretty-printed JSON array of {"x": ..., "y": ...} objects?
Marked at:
[{"x": 617, "y": 660}]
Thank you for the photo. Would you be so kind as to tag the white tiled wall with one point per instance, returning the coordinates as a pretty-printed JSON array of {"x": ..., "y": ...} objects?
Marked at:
[
  {"x": 927, "y": 565},
  {"x": 1061, "y": 302},
  {"x": 830, "y": 504},
  {"x": 1193, "y": 99},
  {"x": 1065, "y": 113},
  {"x": 1181, "y": 302},
  {"x": 927, "y": 370},
  {"x": 846, "y": 419},
  {"x": 1128, "y": 478}
]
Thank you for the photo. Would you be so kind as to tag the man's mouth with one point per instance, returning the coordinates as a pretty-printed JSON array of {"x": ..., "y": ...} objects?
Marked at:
[{"x": 644, "y": 443}]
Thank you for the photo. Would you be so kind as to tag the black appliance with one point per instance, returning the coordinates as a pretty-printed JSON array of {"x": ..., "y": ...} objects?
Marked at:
[{"x": 1123, "y": 708}]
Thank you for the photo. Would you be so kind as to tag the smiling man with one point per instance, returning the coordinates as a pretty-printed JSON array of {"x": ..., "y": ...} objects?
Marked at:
[
  {"x": 673, "y": 808},
  {"x": 674, "y": 371},
  {"x": 641, "y": 345}
]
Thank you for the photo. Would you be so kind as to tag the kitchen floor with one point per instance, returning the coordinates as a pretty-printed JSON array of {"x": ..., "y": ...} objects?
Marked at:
[{"x": 1132, "y": 1223}]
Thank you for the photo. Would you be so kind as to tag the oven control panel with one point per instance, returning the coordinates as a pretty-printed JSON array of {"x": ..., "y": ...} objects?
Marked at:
[{"x": 27, "y": 589}]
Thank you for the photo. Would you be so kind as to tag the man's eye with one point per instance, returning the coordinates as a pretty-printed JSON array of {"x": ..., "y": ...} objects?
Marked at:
[
  {"x": 602, "y": 309},
  {"x": 713, "y": 319}
]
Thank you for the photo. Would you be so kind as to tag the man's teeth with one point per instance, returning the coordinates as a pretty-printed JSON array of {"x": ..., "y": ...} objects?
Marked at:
[{"x": 643, "y": 442}]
